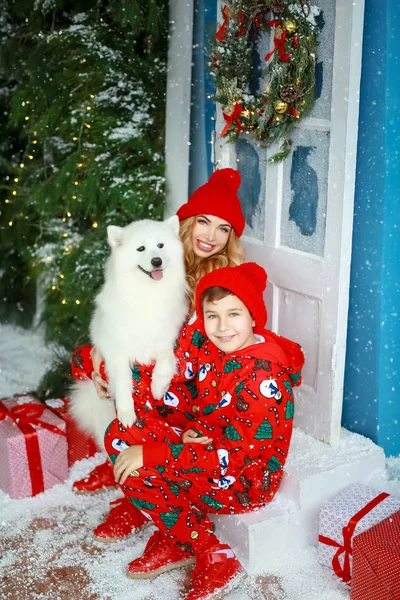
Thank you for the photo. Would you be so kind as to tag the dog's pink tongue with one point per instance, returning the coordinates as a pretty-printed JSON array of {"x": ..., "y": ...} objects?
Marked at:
[{"x": 157, "y": 274}]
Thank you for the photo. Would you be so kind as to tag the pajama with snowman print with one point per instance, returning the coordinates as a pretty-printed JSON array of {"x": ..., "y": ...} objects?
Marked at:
[{"x": 244, "y": 402}]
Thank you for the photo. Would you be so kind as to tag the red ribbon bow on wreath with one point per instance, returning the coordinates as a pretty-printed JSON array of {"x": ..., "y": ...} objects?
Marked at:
[
  {"x": 279, "y": 42},
  {"x": 24, "y": 416},
  {"x": 348, "y": 532},
  {"x": 221, "y": 33},
  {"x": 232, "y": 117}
]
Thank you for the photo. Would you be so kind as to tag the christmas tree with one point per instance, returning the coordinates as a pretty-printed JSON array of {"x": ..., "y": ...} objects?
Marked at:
[
  {"x": 289, "y": 410},
  {"x": 176, "y": 449},
  {"x": 209, "y": 408},
  {"x": 264, "y": 431},
  {"x": 232, "y": 365},
  {"x": 239, "y": 387},
  {"x": 169, "y": 519},
  {"x": 288, "y": 387},
  {"x": 83, "y": 105},
  {"x": 192, "y": 388},
  {"x": 212, "y": 502},
  {"x": 139, "y": 503},
  {"x": 232, "y": 433},
  {"x": 274, "y": 464},
  {"x": 192, "y": 470},
  {"x": 197, "y": 339},
  {"x": 136, "y": 376}
]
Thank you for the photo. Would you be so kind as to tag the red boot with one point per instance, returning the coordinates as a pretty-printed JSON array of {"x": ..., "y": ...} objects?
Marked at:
[
  {"x": 120, "y": 522},
  {"x": 101, "y": 477},
  {"x": 217, "y": 571},
  {"x": 160, "y": 555}
]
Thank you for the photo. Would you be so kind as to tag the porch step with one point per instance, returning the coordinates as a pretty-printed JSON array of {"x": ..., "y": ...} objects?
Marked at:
[{"x": 314, "y": 473}]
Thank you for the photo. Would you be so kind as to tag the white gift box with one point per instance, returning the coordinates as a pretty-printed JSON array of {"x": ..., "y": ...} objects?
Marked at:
[{"x": 346, "y": 515}]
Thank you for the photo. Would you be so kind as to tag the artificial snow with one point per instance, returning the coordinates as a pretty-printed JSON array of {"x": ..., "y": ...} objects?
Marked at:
[
  {"x": 47, "y": 542},
  {"x": 311, "y": 456},
  {"x": 47, "y": 550}
]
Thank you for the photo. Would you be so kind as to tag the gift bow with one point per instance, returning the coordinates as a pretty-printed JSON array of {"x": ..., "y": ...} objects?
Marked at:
[
  {"x": 347, "y": 532},
  {"x": 25, "y": 416}
]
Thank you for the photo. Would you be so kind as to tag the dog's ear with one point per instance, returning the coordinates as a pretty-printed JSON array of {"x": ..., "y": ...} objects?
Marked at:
[
  {"x": 173, "y": 223},
  {"x": 115, "y": 235}
]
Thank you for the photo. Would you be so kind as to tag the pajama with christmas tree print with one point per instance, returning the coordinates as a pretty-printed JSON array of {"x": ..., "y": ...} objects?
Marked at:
[{"x": 244, "y": 402}]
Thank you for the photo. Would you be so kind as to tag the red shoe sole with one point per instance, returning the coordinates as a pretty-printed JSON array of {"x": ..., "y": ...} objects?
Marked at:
[{"x": 151, "y": 574}]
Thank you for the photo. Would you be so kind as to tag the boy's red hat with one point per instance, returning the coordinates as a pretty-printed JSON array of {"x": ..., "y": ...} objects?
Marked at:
[
  {"x": 247, "y": 281},
  {"x": 218, "y": 197}
]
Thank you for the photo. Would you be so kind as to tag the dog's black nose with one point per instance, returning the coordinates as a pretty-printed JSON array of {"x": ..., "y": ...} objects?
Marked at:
[{"x": 156, "y": 262}]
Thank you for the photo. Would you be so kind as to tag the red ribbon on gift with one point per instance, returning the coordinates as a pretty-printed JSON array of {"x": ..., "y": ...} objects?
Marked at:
[
  {"x": 25, "y": 416},
  {"x": 347, "y": 532},
  {"x": 279, "y": 43},
  {"x": 233, "y": 117},
  {"x": 221, "y": 33}
]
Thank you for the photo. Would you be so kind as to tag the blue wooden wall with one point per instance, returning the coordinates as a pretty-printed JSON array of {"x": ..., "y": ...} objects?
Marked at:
[{"x": 372, "y": 385}]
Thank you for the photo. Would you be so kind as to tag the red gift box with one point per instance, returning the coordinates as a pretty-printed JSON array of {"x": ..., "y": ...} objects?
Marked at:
[
  {"x": 349, "y": 513},
  {"x": 376, "y": 561},
  {"x": 80, "y": 445},
  {"x": 33, "y": 447}
]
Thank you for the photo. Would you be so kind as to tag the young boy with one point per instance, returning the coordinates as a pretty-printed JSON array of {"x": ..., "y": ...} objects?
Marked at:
[{"x": 230, "y": 456}]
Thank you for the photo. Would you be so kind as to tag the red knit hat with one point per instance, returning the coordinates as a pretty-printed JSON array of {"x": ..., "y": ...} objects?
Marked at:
[
  {"x": 247, "y": 282},
  {"x": 218, "y": 197}
]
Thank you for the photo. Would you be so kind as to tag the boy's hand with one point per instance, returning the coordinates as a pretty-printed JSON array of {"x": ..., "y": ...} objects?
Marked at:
[
  {"x": 129, "y": 460},
  {"x": 191, "y": 436}
]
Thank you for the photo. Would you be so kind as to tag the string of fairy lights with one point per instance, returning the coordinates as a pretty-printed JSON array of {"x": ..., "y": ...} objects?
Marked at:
[{"x": 29, "y": 154}]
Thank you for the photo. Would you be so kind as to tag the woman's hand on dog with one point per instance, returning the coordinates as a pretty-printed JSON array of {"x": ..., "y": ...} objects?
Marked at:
[
  {"x": 101, "y": 386},
  {"x": 190, "y": 436},
  {"x": 127, "y": 461},
  {"x": 99, "y": 383}
]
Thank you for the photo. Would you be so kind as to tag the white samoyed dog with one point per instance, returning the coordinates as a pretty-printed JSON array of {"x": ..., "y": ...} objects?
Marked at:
[{"x": 139, "y": 312}]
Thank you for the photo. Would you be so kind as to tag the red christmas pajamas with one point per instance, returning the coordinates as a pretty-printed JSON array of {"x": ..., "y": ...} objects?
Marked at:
[
  {"x": 176, "y": 500},
  {"x": 244, "y": 402}
]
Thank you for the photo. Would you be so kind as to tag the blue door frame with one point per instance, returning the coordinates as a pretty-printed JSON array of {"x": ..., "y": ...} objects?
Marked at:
[{"x": 202, "y": 123}]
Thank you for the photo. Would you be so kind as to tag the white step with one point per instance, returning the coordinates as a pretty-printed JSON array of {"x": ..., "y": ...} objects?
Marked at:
[{"x": 315, "y": 472}]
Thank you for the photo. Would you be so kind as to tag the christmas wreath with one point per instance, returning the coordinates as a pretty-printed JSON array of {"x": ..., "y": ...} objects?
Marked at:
[{"x": 287, "y": 80}]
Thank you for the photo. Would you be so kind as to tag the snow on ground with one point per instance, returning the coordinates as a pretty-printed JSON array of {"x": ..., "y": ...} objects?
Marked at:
[
  {"x": 46, "y": 543},
  {"x": 47, "y": 550}
]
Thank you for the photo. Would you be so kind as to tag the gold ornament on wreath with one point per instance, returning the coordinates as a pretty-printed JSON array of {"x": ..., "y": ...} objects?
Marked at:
[
  {"x": 280, "y": 106},
  {"x": 290, "y": 26},
  {"x": 264, "y": 100}
]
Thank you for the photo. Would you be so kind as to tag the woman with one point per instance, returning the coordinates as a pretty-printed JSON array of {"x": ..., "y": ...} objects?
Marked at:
[{"x": 212, "y": 223}]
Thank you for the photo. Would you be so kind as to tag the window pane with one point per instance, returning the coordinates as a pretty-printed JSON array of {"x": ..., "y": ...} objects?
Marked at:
[
  {"x": 324, "y": 66},
  {"x": 305, "y": 182},
  {"x": 251, "y": 163}
]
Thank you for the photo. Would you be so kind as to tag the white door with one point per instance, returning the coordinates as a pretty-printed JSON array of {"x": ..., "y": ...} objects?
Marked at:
[{"x": 299, "y": 219}]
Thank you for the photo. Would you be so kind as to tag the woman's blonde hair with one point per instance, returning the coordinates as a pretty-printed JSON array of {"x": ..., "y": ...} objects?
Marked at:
[{"x": 232, "y": 255}]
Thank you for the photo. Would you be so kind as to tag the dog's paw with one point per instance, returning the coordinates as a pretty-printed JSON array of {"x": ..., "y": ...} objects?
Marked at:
[
  {"x": 163, "y": 372},
  {"x": 127, "y": 416},
  {"x": 159, "y": 387}
]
